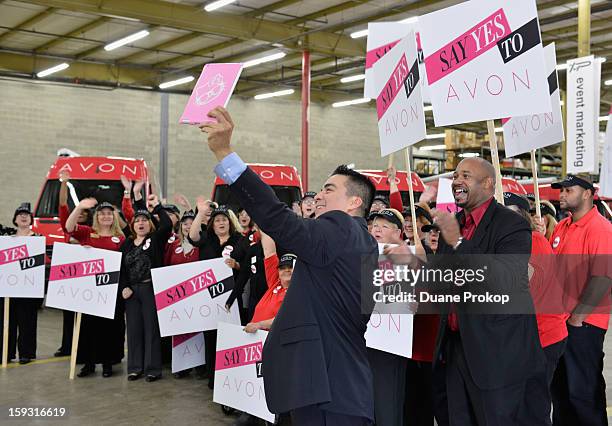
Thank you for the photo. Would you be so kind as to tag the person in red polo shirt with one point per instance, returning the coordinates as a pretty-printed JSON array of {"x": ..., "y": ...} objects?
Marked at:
[{"x": 585, "y": 241}]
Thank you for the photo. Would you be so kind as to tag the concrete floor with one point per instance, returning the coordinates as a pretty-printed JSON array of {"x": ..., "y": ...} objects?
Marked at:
[
  {"x": 96, "y": 400},
  {"x": 115, "y": 401}
]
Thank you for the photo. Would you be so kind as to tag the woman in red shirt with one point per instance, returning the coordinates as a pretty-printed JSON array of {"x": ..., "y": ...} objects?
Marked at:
[
  {"x": 278, "y": 276},
  {"x": 101, "y": 339}
]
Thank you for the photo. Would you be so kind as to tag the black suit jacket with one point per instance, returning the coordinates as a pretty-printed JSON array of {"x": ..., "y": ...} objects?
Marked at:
[
  {"x": 315, "y": 352},
  {"x": 500, "y": 348}
]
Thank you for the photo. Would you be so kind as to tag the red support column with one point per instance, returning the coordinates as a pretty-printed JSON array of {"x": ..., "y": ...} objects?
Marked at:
[{"x": 305, "y": 115}]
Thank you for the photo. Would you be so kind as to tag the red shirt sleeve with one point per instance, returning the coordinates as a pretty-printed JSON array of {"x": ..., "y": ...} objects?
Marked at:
[
  {"x": 81, "y": 233},
  {"x": 128, "y": 210},
  {"x": 395, "y": 201},
  {"x": 271, "y": 267},
  {"x": 64, "y": 212}
]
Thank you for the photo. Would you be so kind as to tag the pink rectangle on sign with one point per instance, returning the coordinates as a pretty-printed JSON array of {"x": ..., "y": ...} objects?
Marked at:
[
  {"x": 13, "y": 254},
  {"x": 238, "y": 356},
  {"x": 394, "y": 85},
  {"x": 467, "y": 47},
  {"x": 181, "y": 338},
  {"x": 184, "y": 289},
  {"x": 76, "y": 270},
  {"x": 213, "y": 88},
  {"x": 375, "y": 54}
]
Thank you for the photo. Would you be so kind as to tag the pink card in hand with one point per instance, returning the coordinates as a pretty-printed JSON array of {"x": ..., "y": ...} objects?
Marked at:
[{"x": 214, "y": 88}]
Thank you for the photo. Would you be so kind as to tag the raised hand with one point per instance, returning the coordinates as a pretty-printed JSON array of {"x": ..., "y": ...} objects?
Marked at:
[
  {"x": 182, "y": 201},
  {"x": 219, "y": 133},
  {"x": 87, "y": 203},
  {"x": 64, "y": 176},
  {"x": 127, "y": 184}
]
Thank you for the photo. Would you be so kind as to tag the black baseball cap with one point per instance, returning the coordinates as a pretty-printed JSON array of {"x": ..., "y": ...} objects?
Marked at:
[
  {"x": 309, "y": 194},
  {"x": 530, "y": 196},
  {"x": 382, "y": 199},
  {"x": 23, "y": 208},
  {"x": 171, "y": 208},
  {"x": 105, "y": 205},
  {"x": 573, "y": 180},
  {"x": 419, "y": 211},
  {"x": 287, "y": 259},
  {"x": 390, "y": 215},
  {"x": 430, "y": 227},
  {"x": 220, "y": 210},
  {"x": 189, "y": 214},
  {"x": 511, "y": 199},
  {"x": 544, "y": 210},
  {"x": 142, "y": 212}
]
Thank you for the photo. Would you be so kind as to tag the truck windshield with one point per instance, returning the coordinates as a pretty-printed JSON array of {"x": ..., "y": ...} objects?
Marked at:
[
  {"x": 287, "y": 194},
  {"x": 102, "y": 190}
]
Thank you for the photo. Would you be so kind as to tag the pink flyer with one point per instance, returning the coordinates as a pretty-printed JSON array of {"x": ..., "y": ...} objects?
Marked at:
[{"x": 213, "y": 88}]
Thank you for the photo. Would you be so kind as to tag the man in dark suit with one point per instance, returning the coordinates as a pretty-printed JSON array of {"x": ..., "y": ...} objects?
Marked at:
[
  {"x": 487, "y": 355},
  {"x": 314, "y": 360}
]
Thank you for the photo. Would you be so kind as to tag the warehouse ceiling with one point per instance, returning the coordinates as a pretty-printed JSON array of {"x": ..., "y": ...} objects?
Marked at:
[{"x": 38, "y": 34}]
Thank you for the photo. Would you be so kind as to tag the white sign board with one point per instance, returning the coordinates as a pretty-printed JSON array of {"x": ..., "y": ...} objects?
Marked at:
[
  {"x": 191, "y": 297},
  {"x": 382, "y": 37},
  {"x": 84, "y": 279},
  {"x": 399, "y": 105},
  {"x": 390, "y": 326},
  {"x": 187, "y": 351},
  {"x": 22, "y": 266},
  {"x": 605, "y": 176},
  {"x": 238, "y": 371},
  {"x": 522, "y": 134},
  {"x": 484, "y": 60},
  {"x": 583, "y": 78}
]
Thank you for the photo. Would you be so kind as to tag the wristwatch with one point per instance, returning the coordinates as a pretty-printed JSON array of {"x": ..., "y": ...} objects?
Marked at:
[
  {"x": 126, "y": 192},
  {"x": 458, "y": 243}
]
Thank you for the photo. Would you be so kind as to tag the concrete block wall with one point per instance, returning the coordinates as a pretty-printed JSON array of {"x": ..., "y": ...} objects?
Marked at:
[{"x": 38, "y": 119}]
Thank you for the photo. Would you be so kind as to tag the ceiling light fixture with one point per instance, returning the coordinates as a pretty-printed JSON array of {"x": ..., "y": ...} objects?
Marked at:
[
  {"x": 52, "y": 70},
  {"x": 176, "y": 82},
  {"x": 125, "y": 40},
  {"x": 264, "y": 59},
  {"x": 274, "y": 94}
]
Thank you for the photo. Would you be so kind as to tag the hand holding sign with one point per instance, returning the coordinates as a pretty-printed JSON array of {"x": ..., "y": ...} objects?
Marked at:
[{"x": 219, "y": 133}]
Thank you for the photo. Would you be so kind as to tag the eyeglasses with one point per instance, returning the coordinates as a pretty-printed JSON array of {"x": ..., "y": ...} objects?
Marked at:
[{"x": 308, "y": 202}]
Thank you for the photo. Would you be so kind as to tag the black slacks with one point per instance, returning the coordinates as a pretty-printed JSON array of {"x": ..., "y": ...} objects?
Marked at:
[
  {"x": 23, "y": 319},
  {"x": 468, "y": 404},
  {"x": 579, "y": 388},
  {"x": 389, "y": 375},
  {"x": 144, "y": 341}
]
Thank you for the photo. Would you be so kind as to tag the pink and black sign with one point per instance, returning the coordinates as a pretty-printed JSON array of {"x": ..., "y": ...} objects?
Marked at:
[{"x": 488, "y": 62}]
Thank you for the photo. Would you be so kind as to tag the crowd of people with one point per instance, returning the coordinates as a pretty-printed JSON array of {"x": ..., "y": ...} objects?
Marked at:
[{"x": 298, "y": 272}]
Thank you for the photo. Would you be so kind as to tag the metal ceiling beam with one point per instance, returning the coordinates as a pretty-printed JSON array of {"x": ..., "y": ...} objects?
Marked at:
[
  {"x": 602, "y": 7},
  {"x": 92, "y": 51},
  {"x": 195, "y": 19},
  {"x": 74, "y": 33},
  {"x": 191, "y": 36},
  {"x": 162, "y": 46},
  {"x": 571, "y": 29},
  {"x": 270, "y": 8},
  {"x": 324, "y": 12},
  {"x": 82, "y": 71},
  {"x": 551, "y": 4},
  {"x": 327, "y": 11},
  {"x": 28, "y": 22}
]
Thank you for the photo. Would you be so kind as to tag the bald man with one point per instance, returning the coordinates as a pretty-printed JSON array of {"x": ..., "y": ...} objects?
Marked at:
[{"x": 487, "y": 358}]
